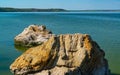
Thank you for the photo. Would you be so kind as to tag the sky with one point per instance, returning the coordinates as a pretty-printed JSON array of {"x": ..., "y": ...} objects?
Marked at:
[{"x": 64, "y": 4}]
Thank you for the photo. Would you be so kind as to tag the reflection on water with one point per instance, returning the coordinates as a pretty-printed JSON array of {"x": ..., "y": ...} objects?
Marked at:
[{"x": 21, "y": 48}]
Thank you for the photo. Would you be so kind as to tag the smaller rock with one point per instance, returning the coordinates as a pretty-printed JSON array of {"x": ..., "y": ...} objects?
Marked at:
[{"x": 32, "y": 36}]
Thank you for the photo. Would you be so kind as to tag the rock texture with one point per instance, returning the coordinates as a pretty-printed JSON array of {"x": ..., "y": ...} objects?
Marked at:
[
  {"x": 68, "y": 54},
  {"x": 32, "y": 36}
]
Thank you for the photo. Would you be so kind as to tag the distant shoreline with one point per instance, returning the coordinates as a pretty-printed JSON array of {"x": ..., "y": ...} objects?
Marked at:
[
  {"x": 5, "y": 9},
  {"x": 95, "y": 10},
  {"x": 9, "y": 9}
]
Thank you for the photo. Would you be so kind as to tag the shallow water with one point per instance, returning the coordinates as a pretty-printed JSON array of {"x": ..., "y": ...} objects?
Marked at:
[{"x": 103, "y": 27}]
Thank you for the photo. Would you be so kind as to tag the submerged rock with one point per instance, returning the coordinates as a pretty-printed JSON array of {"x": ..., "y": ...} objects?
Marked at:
[
  {"x": 32, "y": 36},
  {"x": 68, "y": 54}
]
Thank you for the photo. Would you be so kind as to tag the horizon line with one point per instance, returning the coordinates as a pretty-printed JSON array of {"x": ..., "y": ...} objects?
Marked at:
[{"x": 59, "y": 8}]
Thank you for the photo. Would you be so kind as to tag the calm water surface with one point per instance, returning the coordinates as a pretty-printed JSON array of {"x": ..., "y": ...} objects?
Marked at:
[{"x": 103, "y": 27}]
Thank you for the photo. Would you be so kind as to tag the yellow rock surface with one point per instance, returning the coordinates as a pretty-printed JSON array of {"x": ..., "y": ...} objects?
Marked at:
[
  {"x": 76, "y": 54},
  {"x": 36, "y": 58}
]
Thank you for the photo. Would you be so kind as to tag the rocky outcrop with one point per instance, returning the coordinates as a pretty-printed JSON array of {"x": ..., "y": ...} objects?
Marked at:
[
  {"x": 68, "y": 54},
  {"x": 32, "y": 36}
]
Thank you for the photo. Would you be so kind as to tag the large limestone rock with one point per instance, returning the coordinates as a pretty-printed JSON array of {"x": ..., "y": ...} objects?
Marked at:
[
  {"x": 32, "y": 36},
  {"x": 68, "y": 54}
]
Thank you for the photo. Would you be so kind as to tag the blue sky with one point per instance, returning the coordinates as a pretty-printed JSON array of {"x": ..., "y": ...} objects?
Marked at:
[{"x": 65, "y": 4}]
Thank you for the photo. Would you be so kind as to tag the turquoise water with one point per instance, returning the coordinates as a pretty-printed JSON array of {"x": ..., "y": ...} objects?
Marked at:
[{"x": 103, "y": 27}]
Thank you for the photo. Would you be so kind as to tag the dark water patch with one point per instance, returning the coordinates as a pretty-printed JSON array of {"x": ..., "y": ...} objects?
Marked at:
[{"x": 114, "y": 74}]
